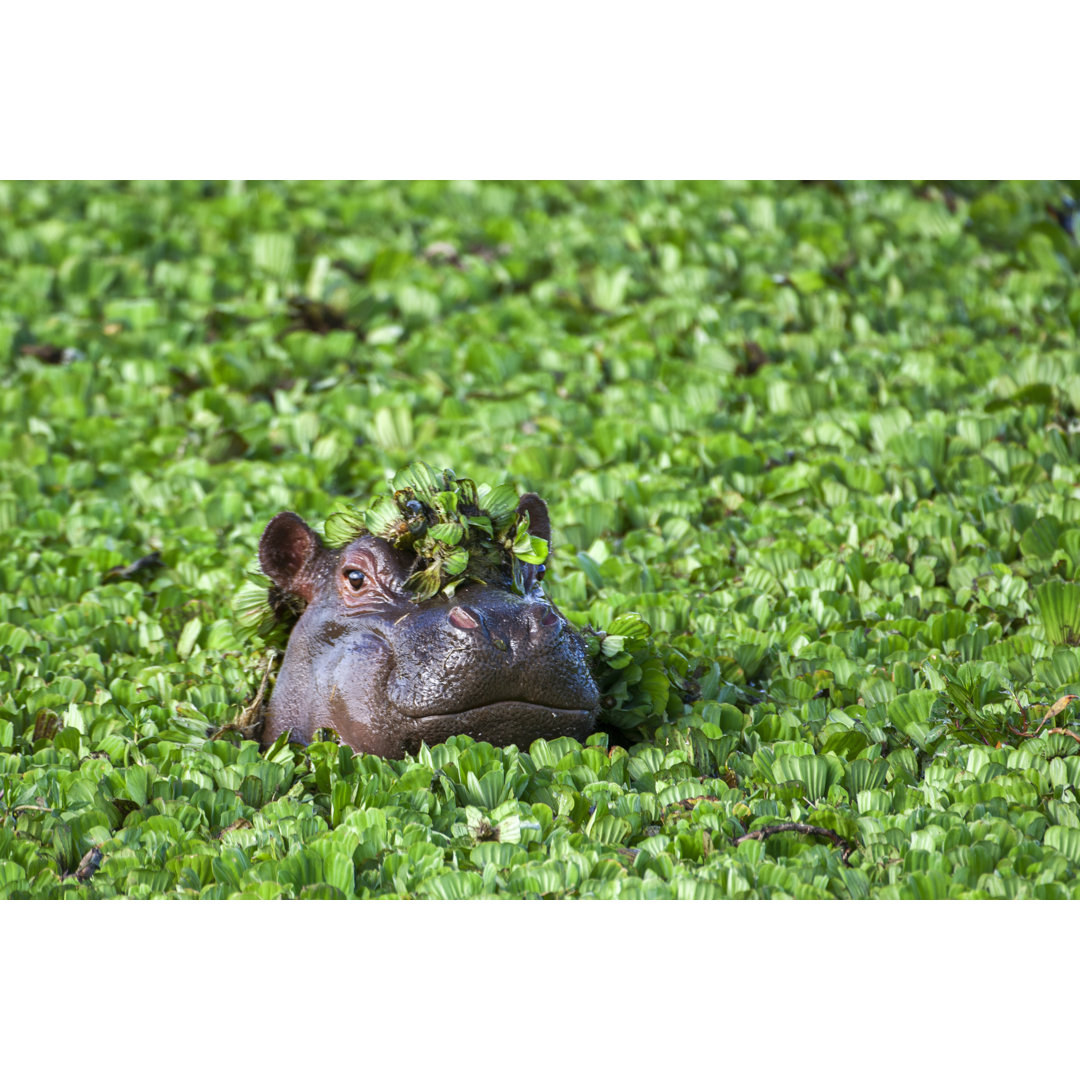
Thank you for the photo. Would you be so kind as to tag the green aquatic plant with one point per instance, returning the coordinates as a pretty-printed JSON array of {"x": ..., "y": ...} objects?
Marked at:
[
  {"x": 459, "y": 532},
  {"x": 641, "y": 681},
  {"x": 822, "y": 438}
]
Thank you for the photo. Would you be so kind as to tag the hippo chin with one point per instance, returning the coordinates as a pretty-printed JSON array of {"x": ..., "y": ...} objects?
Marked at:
[{"x": 388, "y": 673}]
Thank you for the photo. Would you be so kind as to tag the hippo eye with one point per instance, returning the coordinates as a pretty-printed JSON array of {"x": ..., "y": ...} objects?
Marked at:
[
  {"x": 541, "y": 570},
  {"x": 355, "y": 578}
]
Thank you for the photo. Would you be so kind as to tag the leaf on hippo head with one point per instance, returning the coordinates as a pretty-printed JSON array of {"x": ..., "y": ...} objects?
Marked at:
[
  {"x": 456, "y": 562},
  {"x": 483, "y": 524},
  {"x": 427, "y": 582},
  {"x": 526, "y": 547},
  {"x": 449, "y": 533},
  {"x": 445, "y": 503},
  {"x": 265, "y": 611},
  {"x": 345, "y": 526},
  {"x": 500, "y": 504},
  {"x": 467, "y": 491},
  {"x": 450, "y": 526},
  {"x": 383, "y": 518},
  {"x": 420, "y": 480}
]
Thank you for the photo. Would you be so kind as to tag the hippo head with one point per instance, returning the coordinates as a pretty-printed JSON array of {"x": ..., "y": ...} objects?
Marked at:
[{"x": 497, "y": 661}]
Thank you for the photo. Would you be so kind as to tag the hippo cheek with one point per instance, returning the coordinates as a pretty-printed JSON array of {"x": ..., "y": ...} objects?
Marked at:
[{"x": 353, "y": 682}]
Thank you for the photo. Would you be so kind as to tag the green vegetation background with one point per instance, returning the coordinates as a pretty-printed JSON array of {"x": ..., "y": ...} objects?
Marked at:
[{"x": 822, "y": 437}]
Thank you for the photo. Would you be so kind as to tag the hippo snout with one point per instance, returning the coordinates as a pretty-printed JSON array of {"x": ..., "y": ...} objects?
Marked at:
[{"x": 489, "y": 648}]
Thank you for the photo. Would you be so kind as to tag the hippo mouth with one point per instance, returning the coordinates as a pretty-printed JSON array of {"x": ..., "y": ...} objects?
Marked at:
[
  {"x": 505, "y": 722},
  {"x": 509, "y": 710}
]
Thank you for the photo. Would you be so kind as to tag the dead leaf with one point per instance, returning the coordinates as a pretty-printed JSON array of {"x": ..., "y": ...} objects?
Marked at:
[
  {"x": 1058, "y": 706},
  {"x": 139, "y": 566},
  {"x": 46, "y": 724},
  {"x": 88, "y": 864},
  {"x": 239, "y": 823}
]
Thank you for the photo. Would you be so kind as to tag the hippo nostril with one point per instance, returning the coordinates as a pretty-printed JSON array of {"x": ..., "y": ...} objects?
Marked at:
[
  {"x": 545, "y": 620},
  {"x": 463, "y": 619}
]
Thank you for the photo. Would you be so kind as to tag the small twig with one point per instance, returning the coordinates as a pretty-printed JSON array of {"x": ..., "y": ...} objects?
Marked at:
[
  {"x": 1050, "y": 713},
  {"x": 239, "y": 823},
  {"x": 1049, "y": 731},
  {"x": 1022, "y": 709},
  {"x": 1022, "y": 734},
  {"x": 1062, "y": 731},
  {"x": 690, "y": 803},
  {"x": 247, "y": 720},
  {"x": 23, "y": 808},
  {"x": 798, "y": 827}
]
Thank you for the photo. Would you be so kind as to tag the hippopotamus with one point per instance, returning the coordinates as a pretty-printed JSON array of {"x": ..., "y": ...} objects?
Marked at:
[{"x": 497, "y": 661}]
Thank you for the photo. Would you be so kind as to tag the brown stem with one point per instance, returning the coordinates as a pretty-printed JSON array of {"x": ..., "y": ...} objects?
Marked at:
[
  {"x": 247, "y": 720},
  {"x": 798, "y": 827},
  {"x": 1062, "y": 731},
  {"x": 24, "y": 807},
  {"x": 1022, "y": 734},
  {"x": 689, "y": 803}
]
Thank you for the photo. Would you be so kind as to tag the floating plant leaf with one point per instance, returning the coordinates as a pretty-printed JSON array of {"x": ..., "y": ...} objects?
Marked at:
[
  {"x": 455, "y": 563},
  {"x": 448, "y": 533},
  {"x": 528, "y": 548},
  {"x": 833, "y": 498},
  {"x": 265, "y": 611},
  {"x": 1059, "y": 606},
  {"x": 382, "y": 518},
  {"x": 638, "y": 678},
  {"x": 499, "y": 504},
  {"x": 344, "y": 526}
]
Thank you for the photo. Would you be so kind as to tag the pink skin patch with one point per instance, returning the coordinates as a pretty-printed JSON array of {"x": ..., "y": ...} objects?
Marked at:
[{"x": 462, "y": 619}]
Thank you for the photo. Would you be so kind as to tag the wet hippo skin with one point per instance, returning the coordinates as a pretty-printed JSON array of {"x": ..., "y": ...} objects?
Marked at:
[{"x": 387, "y": 673}]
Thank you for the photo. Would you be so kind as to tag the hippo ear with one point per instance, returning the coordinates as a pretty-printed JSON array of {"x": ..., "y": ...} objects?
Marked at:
[
  {"x": 539, "y": 521},
  {"x": 285, "y": 553}
]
